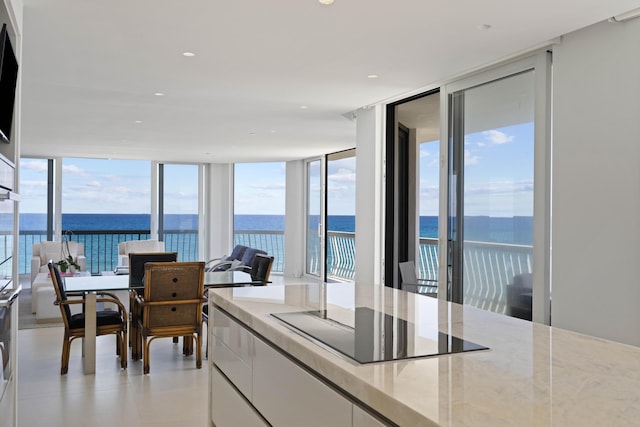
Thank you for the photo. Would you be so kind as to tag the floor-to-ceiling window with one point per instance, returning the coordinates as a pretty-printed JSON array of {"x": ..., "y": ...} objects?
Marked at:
[
  {"x": 428, "y": 206},
  {"x": 494, "y": 170},
  {"x": 35, "y": 225},
  {"x": 104, "y": 202},
  {"x": 314, "y": 256},
  {"x": 259, "y": 208},
  {"x": 178, "y": 216},
  {"x": 341, "y": 219},
  {"x": 412, "y": 186}
]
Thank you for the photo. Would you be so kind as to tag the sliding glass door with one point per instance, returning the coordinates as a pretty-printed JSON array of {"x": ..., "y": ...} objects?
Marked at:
[
  {"x": 314, "y": 219},
  {"x": 492, "y": 183}
]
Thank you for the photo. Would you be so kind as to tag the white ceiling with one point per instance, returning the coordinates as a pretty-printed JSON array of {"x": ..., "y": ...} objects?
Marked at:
[{"x": 91, "y": 68}]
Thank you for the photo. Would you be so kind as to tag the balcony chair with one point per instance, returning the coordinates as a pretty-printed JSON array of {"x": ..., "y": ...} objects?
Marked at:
[
  {"x": 171, "y": 306},
  {"x": 108, "y": 322},
  {"x": 246, "y": 262},
  {"x": 129, "y": 246},
  {"x": 260, "y": 271},
  {"x": 44, "y": 251},
  {"x": 411, "y": 283},
  {"x": 227, "y": 261},
  {"x": 137, "y": 261},
  {"x": 261, "y": 268},
  {"x": 520, "y": 296}
]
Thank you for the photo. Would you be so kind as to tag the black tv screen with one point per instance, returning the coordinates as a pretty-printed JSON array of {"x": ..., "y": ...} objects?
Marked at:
[{"x": 8, "y": 80}]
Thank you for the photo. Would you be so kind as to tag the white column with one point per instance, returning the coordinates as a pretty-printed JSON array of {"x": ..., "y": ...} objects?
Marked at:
[
  {"x": 294, "y": 228},
  {"x": 369, "y": 195},
  {"x": 219, "y": 183}
]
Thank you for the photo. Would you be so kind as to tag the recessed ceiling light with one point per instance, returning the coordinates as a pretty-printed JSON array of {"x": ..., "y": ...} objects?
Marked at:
[
  {"x": 188, "y": 54},
  {"x": 159, "y": 94},
  {"x": 483, "y": 27},
  {"x": 303, "y": 107},
  {"x": 372, "y": 76},
  {"x": 252, "y": 133},
  {"x": 138, "y": 121},
  {"x": 326, "y": 1}
]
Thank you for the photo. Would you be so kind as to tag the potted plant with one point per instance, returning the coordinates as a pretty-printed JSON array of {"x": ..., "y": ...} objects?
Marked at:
[{"x": 67, "y": 262}]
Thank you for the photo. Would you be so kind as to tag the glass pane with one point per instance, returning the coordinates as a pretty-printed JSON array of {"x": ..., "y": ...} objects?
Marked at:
[
  {"x": 259, "y": 208},
  {"x": 33, "y": 208},
  {"x": 341, "y": 211},
  {"x": 180, "y": 219},
  {"x": 314, "y": 214},
  {"x": 105, "y": 202},
  {"x": 428, "y": 205},
  {"x": 498, "y": 194}
]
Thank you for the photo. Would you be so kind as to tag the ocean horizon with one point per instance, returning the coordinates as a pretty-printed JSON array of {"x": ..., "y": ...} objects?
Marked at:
[{"x": 513, "y": 230}]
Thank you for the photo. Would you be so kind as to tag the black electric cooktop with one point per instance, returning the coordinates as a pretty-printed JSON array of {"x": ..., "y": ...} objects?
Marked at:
[{"x": 374, "y": 336}]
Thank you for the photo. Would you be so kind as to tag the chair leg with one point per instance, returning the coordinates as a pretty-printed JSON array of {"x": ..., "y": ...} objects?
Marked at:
[
  {"x": 187, "y": 345},
  {"x": 122, "y": 337},
  {"x": 66, "y": 349},
  {"x": 145, "y": 355},
  {"x": 198, "y": 351}
]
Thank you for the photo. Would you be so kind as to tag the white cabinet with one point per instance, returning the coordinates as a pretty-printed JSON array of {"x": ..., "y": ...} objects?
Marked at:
[
  {"x": 287, "y": 395},
  {"x": 251, "y": 382},
  {"x": 364, "y": 419},
  {"x": 228, "y": 408}
]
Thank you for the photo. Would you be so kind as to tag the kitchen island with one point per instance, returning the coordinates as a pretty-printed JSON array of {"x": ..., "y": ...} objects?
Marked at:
[{"x": 264, "y": 371}]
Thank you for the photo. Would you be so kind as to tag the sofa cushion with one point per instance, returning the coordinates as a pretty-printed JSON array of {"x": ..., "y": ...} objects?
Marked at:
[{"x": 143, "y": 246}]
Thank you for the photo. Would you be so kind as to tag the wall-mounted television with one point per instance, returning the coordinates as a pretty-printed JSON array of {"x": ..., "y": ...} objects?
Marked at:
[{"x": 8, "y": 80}]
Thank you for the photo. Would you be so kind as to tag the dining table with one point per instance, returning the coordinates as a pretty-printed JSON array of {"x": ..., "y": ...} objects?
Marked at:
[{"x": 109, "y": 282}]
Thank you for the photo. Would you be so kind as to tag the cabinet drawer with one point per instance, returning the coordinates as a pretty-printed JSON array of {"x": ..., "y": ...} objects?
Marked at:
[
  {"x": 287, "y": 395},
  {"x": 236, "y": 369},
  {"x": 228, "y": 408},
  {"x": 235, "y": 337}
]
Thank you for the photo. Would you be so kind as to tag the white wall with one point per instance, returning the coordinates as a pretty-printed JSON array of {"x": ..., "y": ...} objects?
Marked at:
[{"x": 596, "y": 182}]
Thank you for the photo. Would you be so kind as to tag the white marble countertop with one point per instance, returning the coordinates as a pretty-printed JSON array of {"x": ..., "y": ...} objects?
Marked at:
[{"x": 532, "y": 375}]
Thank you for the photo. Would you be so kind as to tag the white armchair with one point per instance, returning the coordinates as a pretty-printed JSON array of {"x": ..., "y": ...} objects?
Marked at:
[
  {"x": 45, "y": 251},
  {"x": 124, "y": 248}
]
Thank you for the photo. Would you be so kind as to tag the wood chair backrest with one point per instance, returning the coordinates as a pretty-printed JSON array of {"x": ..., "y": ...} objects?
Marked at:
[
  {"x": 173, "y": 294},
  {"x": 61, "y": 294}
]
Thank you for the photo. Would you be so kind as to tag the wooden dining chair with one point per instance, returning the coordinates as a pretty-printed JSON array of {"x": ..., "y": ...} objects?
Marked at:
[
  {"x": 171, "y": 306},
  {"x": 137, "y": 261},
  {"x": 108, "y": 322}
]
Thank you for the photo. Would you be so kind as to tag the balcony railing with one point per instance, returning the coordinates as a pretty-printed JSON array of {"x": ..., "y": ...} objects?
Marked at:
[
  {"x": 488, "y": 267},
  {"x": 101, "y": 246}
]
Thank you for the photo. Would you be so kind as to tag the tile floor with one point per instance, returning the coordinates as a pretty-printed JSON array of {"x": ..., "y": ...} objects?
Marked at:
[{"x": 175, "y": 393}]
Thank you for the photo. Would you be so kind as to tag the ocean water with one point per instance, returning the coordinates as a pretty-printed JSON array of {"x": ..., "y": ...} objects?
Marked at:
[
  {"x": 103, "y": 249},
  {"x": 515, "y": 230}
]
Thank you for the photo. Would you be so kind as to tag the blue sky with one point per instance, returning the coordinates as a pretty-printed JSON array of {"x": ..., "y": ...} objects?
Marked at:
[
  {"x": 499, "y": 181},
  {"x": 498, "y": 173}
]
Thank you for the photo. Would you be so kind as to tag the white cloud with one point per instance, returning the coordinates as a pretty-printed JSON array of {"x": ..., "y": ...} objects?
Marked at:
[
  {"x": 497, "y": 137},
  {"x": 42, "y": 184},
  {"x": 74, "y": 170},
  {"x": 268, "y": 186},
  {"x": 94, "y": 184},
  {"x": 34, "y": 165},
  {"x": 343, "y": 175},
  {"x": 424, "y": 153},
  {"x": 470, "y": 159}
]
